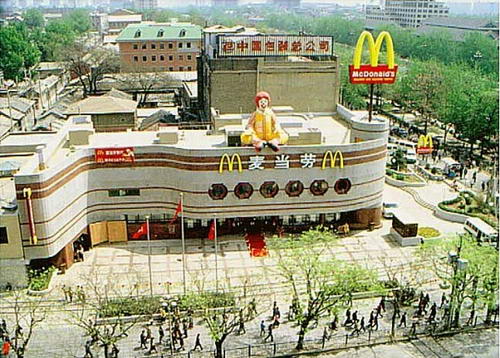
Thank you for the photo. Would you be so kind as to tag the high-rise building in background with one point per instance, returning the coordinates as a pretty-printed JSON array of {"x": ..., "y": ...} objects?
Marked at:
[
  {"x": 225, "y": 3},
  {"x": 406, "y": 13},
  {"x": 146, "y": 4},
  {"x": 284, "y": 3}
]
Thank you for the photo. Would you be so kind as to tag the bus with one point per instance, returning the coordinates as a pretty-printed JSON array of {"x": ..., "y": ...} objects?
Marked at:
[{"x": 481, "y": 231}]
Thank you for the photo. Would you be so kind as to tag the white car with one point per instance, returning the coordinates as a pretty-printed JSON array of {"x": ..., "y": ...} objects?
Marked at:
[
  {"x": 411, "y": 156},
  {"x": 388, "y": 210}
]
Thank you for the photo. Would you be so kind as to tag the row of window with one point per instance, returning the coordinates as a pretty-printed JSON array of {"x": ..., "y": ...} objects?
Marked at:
[
  {"x": 161, "y": 45},
  {"x": 163, "y": 58},
  {"x": 269, "y": 189},
  {"x": 124, "y": 192}
]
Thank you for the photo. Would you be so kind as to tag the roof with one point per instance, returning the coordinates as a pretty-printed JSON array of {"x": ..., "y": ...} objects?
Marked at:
[
  {"x": 49, "y": 66},
  {"x": 113, "y": 92},
  {"x": 237, "y": 29},
  {"x": 124, "y": 18},
  {"x": 19, "y": 104},
  {"x": 122, "y": 12},
  {"x": 101, "y": 105},
  {"x": 46, "y": 83},
  {"x": 158, "y": 31},
  {"x": 462, "y": 23}
]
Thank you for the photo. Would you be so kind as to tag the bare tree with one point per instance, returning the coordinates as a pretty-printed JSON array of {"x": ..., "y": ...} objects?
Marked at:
[
  {"x": 27, "y": 313},
  {"x": 89, "y": 65},
  {"x": 144, "y": 83}
]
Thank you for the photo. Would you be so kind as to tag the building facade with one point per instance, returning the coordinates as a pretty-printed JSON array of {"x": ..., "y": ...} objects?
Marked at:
[
  {"x": 146, "y": 4},
  {"x": 159, "y": 47},
  {"x": 406, "y": 13}
]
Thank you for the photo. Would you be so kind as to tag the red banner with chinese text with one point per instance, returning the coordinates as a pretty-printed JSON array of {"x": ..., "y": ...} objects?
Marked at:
[{"x": 114, "y": 155}]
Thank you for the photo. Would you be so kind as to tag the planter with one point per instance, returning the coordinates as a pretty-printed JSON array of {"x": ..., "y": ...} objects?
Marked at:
[
  {"x": 401, "y": 183},
  {"x": 450, "y": 216},
  {"x": 428, "y": 174},
  {"x": 49, "y": 288}
]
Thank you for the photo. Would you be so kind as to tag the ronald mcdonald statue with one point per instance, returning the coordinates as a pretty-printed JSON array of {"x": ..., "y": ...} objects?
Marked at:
[{"x": 263, "y": 128}]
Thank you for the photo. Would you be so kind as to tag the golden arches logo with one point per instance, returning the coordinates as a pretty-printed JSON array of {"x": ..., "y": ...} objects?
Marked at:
[
  {"x": 425, "y": 141},
  {"x": 230, "y": 162},
  {"x": 333, "y": 159},
  {"x": 374, "y": 47}
]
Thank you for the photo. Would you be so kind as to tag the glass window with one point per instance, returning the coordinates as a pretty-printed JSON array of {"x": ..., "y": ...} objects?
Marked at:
[
  {"x": 181, "y": 58},
  {"x": 180, "y": 44},
  {"x": 342, "y": 186},
  {"x": 188, "y": 44},
  {"x": 153, "y": 46},
  {"x": 136, "y": 59},
  {"x": 162, "y": 58},
  {"x": 319, "y": 187},
  {"x": 243, "y": 190},
  {"x": 269, "y": 189},
  {"x": 294, "y": 188},
  {"x": 124, "y": 192},
  {"x": 217, "y": 191},
  {"x": 170, "y": 58},
  {"x": 162, "y": 46},
  {"x": 189, "y": 68},
  {"x": 170, "y": 45},
  {"x": 4, "y": 239},
  {"x": 144, "y": 58},
  {"x": 153, "y": 58},
  {"x": 170, "y": 68},
  {"x": 189, "y": 57},
  {"x": 136, "y": 46},
  {"x": 181, "y": 68},
  {"x": 144, "y": 46}
]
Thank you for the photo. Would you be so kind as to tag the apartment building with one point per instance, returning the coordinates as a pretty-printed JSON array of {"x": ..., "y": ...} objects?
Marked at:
[
  {"x": 146, "y": 4},
  {"x": 406, "y": 13},
  {"x": 154, "y": 47}
]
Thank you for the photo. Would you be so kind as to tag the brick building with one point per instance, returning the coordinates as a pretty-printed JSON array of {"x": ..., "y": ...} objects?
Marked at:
[{"x": 153, "y": 47}]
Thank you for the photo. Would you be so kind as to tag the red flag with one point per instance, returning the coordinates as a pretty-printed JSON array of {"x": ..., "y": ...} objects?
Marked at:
[
  {"x": 177, "y": 211},
  {"x": 143, "y": 230},
  {"x": 211, "y": 231}
]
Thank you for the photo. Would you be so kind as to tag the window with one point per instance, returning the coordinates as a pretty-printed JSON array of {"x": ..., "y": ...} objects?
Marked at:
[
  {"x": 189, "y": 68},
  {"x": 180, "y": 44},
  {"x": 188, "y": 44},
  {"x": 189, "y": 57},
  {"x": 153, "y": 46},
  {"x": 170, "y": 58},
  {"x": 243, "y": 190},
  {"x": 294, "y": 188},
  {"x": 170, "y": 68},
  {"x": 342, "y": 186},
  {"x": 144, "y": 58},
  {"x": 4, "y": 239},
  {"x": 181, "y": 68},
  {"x": 269, "y": 189},
  {"x": 217, "y": 191},
  {"x": 162, "y": 58},
  {"x": 144, "y": 46},
  {"x": 162, "y": 46},
  {"x": 136, "y": 46},
  {"x": 160, "y": 33},
  {"x": 319, "y": 187},
  {"x": 181, "y": 57},
  {"x": 136, "y": 59},
  {"x": 153, "y": 58},
  {"x": 124, "y": 192},
  {"x": 170, "y": 45},
  {"x": 137, "y": 33}
]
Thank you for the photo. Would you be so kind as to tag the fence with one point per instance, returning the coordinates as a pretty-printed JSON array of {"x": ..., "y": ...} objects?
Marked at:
[{"x": 336, "y": 341}]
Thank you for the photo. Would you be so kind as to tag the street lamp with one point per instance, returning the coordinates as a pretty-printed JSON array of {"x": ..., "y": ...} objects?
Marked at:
[
  {"x": 149, "y": 257},
  {"x": 459, "y": 265}
]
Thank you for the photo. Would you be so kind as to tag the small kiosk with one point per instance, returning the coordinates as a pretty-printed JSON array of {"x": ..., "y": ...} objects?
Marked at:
[{"x": 405, "y": 229}]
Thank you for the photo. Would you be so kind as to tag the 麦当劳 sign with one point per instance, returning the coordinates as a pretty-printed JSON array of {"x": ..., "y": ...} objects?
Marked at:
[{"x": 114, "y": 155}]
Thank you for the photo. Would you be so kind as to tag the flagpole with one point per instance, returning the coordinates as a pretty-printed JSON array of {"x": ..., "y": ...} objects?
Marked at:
[
  {"x": 216, "y": 254},
  {"x": 149, "y": 257},
  {"x": 183, "y": 244}
]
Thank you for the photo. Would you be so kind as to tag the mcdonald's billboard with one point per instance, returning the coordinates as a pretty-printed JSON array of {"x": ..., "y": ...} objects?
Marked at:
[
  {"x": 425, "y": 145},
  {"x": 373, "y": 73},
  {"x": 231, "y": 161},
  {"x": 333, "y": 159}
]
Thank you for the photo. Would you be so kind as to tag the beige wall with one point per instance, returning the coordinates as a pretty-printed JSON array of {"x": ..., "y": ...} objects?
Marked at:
[
  {"x": 117, "y": 231},
  {"x": 113, "y": 122},
  {"x": 14, "y": 248},
  {"x": 98, "y": 233}
]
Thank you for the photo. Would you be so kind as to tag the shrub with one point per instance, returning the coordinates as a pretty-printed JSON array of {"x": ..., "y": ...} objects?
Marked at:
[
  {"x": 428, "y": 232},
  {"x": 130, "y": 306},
  {"x": 434, "y": 170},
  {"x": 198, "y": 301},
  {"x": 39, "y": 279},
  {"x": 400, "y": 177}
]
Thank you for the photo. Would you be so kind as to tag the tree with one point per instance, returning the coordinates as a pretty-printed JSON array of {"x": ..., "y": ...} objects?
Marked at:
[
  {"x": 28, "y": 313},
  {"x": 17, "y": 53},
  {"x": 89, "y": 65},
  {"x": 33, "y": 18},
  {"x": 477, "y": 282},
  {"x": 319, "y": 284},
  {"x": 144, "y": 82},
  {"x": 79, "y": 20}
]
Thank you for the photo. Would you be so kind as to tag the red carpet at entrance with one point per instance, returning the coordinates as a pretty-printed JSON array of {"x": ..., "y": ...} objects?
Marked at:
[{"x": 256, "y": 245}]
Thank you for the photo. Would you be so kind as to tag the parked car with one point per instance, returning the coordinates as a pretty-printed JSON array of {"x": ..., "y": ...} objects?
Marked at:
[
  {"x": 388, "y": 210},
  {"x": 401, "y": 132},
  {"x": 411, "y": 156}
]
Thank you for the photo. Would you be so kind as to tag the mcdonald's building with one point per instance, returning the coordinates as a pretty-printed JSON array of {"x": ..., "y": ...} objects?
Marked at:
[{"x": 88, "y": 187}]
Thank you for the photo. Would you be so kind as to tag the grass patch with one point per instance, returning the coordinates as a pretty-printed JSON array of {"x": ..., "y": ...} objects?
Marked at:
[
  {"x": 428, "y": 232},
  {"x": 39, "y": 279}
]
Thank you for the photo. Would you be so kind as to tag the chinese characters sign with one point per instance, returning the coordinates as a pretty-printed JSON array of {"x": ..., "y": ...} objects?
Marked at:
[
  {"x": 274, "y": 45},
  {"x": 114, "y": 155},
  {"x": 281, "y": 161}
]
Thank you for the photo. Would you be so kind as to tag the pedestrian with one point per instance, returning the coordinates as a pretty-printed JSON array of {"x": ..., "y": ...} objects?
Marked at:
[
  {"x": 474, "y": 177},
  {"x": 483, "y": 186},
  {"x": 161, "y": 334},
  {"x": 181, "y": 343},
  {"x": 413, "y": 329},
  {"x": 115, "y": 351},
  {"x": 197, "y": 343},
  {"x": 402, "y": 322},
  {"x": 470, "y": 320},
  {"x": 65, "y": 292},
  {"x": 4, "y": 326},
  {"x": 372, "y": 318},
  {"x": 88, "y": 352},
  {"x": 333, "y": 325},
  {"x": 465, "y": 172},
  {"x": 241, "y": 327},
  {"x": 348, "y": 320},
  {"x": 143, "y": 339},
  {"x": 355, "y": 316},
  {"x": 152, "y": 346},
  {"x": 185, "y": 328},
  {"x": 362, "y": 324},
  {"x": 325, "y": 335},
  {"x": 355, "y": 331},
  {"x": 252, "y": 307},
  {"x": 278, "y": 313},
  {"x": 378, "y": 311},
  {"x": 397, "y": 310},
  {"x": 382, "y": 303},
  {"x": 70, "y": 294},
  {"x": 375, "y": 322},
  {"x": 148, "y": 333},
  {"x": 443, "y": 300},
  {"x": 269, "y": 333},
  {"x": 262, "y": 328},
  {"x": 276, "y": 322}
]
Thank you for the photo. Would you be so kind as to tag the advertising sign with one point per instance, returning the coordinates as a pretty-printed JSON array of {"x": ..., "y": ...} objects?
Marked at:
[
  {"x": 114, "y": 155},
  {"x": 424, "y": 145},
  {"x": 373, "y": 73},
  {"x": 274, "y": 45}
]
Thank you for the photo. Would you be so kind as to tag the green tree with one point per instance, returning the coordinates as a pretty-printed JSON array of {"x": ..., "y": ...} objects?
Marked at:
[
  {"x": 480, "y": 51},
  {"x": 477, "y": 283},
  {"x": 33, "y": 18},
  {"x": 17, "y": 53},
  {"x": 58, "y": 36},
  {"x": 319, "y": 284},
  {"x": 79, "y": 20}
]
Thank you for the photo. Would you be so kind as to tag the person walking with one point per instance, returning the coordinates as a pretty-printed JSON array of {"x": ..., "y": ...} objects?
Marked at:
[
  {"x": 375, "y": 322},
  {"x": 88, "y": 351},
  {"x": 378, "y": 311},
  {"x": 262, "y": 328},
  {"x": 115, "y": 351},
  {"x": 241, "y": 327},
  {"x": 161, "y": 334},
  {"x": 402, "y": 322},
  {"x": 152, "y": 346},
  {"x": 348, "y": 320},
  {"x": 197, "y": 343},
  {"x": 185, "y": 327},
  {"x": 333, "y": 325},
  {"x": 70, "y": 294},
  {"x": 443, "y": 300},
  {"x": 325, "y": 336},
  {"x": 372, "y": 318},
  {"x": 362, "y": 324},
  {"x": 269, "y": 333},
  {"x": 143, "y": 339},
  {"x": 355, "y": 316},
  {"x": 432, "y": 314},
  {"x": 382, "y": 303},
  {"x": 355, "y": 331}
]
